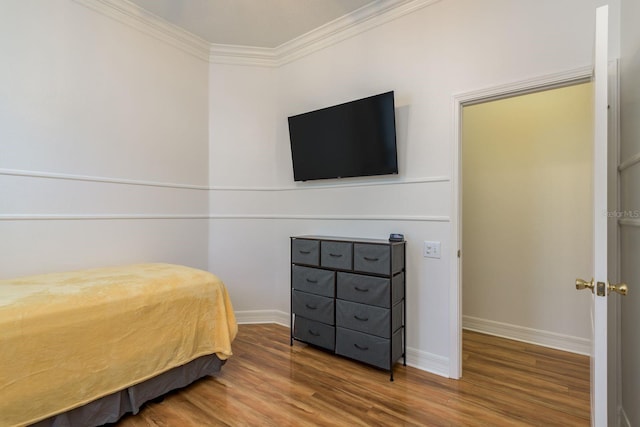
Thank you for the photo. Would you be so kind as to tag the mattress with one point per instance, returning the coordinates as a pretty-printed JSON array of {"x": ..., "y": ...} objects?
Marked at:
[{"x": 70, "y": 338}]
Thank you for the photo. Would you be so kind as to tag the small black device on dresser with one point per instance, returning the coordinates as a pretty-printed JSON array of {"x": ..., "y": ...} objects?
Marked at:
[
  {"x": 395, "y": 237},
  {"x": 347, "y": 296}
]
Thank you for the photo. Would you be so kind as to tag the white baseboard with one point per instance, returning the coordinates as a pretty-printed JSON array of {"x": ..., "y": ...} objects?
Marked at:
[
  {"x": 428, "y": 362},
  {"x": 415, "y": 358},
  {"x": 263, "y": 316},
  {"x": 534, "y": 336}
]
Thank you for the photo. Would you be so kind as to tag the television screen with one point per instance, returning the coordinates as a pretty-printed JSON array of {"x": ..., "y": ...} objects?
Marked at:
[{"x": 357, "y": 138}]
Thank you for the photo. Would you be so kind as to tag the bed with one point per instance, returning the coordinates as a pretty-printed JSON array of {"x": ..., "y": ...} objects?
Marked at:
[{"x": 86, "y": 347}]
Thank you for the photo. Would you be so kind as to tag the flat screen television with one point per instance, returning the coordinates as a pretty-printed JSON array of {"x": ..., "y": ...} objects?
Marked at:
[{"x": 357, "y": 138}]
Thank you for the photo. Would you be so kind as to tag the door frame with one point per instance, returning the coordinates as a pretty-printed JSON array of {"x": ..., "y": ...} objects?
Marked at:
[
  {"x": 536, "y": 84},
  {"x": 572, "y": 77}
]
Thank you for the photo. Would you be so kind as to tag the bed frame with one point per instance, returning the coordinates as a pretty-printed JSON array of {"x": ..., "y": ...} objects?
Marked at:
[{"x": 111, "y": 408}]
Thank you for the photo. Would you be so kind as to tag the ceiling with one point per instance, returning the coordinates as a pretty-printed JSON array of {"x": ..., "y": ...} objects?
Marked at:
[{"x": 256, "y": 23}]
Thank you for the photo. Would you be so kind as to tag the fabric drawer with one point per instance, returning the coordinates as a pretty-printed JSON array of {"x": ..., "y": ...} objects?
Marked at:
[
  {"x": 369, "y": 289},
  {"x": 397, "y": 288},
  {"x": 372, "y": 258},
  {"x": 316, "y": 333},
  {"x": 305, "y": 251},
  {"x": 397, "y": 258},
  {"x": 363, "y": 318},
  {"x": 313, "y": 280},
  {"x": 396, "y": 316},
  {"x": 336, "y": 255},
  {"x": 314, "y": 307},
  {"x": 376, "y": 351}
]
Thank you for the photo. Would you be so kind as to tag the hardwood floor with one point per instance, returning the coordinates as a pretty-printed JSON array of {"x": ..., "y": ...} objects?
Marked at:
[{"x": 270, "y": 383}]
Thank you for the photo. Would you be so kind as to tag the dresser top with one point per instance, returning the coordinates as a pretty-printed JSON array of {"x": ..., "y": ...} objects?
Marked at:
[{"x": 347, "y": 239}]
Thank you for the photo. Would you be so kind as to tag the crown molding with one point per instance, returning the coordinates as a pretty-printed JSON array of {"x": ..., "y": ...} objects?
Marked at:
[
  {"x": 347, "y": 26},
  {"x": 367, "y": 17},
  {"x": 356, "y": 22},
  {"x": 242, "y": 55},
  {"x": 134, "y": 16}
]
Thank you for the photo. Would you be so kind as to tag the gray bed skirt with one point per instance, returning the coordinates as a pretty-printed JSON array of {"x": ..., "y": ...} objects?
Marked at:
[{"x": 111, "y": 408}]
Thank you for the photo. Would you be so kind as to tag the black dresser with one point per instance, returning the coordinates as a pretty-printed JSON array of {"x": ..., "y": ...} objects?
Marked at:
[{"x": 347, "y": 296}]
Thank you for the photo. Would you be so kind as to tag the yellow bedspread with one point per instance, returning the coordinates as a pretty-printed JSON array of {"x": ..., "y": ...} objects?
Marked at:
[{"x": 69, "y": 338}]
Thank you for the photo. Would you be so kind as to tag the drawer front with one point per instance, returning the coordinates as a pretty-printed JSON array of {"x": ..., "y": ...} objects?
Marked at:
[
  {"x": 316, "y": 333},
  {"x": 336, "y": 255},
  {"x": 370, "y": 349},
  {"x": 313, "y": 280},
  {"x": 313, "y": 307},
  {"x": 366, "y": 348},
  {"x": 365, "y": 289},
  {"x": 372, "y": 258},
  {"x": 364, "y": 318},
  {"x": 305, "y": 251}
]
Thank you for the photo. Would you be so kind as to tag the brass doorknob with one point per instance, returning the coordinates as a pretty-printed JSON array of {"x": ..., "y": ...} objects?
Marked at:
[
  {"x": 620, "y": 288},
  {"x": 583, "y": 284}
]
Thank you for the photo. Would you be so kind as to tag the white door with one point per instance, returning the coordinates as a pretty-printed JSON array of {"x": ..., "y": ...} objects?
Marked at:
[{"x": 599, "y": 282}]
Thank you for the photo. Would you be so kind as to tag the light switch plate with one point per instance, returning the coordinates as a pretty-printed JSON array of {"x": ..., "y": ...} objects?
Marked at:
[{"x": 431, "y": 249}]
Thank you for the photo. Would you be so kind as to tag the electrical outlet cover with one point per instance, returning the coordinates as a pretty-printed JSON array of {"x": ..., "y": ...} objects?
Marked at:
[{"x": 431, "y": 249}]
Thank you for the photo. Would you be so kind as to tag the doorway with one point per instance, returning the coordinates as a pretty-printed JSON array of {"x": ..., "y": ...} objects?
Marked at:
[
  {"x": 526, "y": 216},
  {"x": 539, "y": 84}
]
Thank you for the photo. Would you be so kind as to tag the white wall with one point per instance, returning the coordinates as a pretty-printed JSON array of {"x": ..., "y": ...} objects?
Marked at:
[
  {"x": 426, "y": 57},
  {"x": 527, "y": 221},
  {"x": 92, "y": 111},
  {"x": 630, "y": 208},
  {"x": 103, "y": 143}
]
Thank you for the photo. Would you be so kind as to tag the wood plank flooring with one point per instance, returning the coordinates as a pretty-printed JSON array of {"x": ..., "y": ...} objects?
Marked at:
[{"x": 270, "y": 383}]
